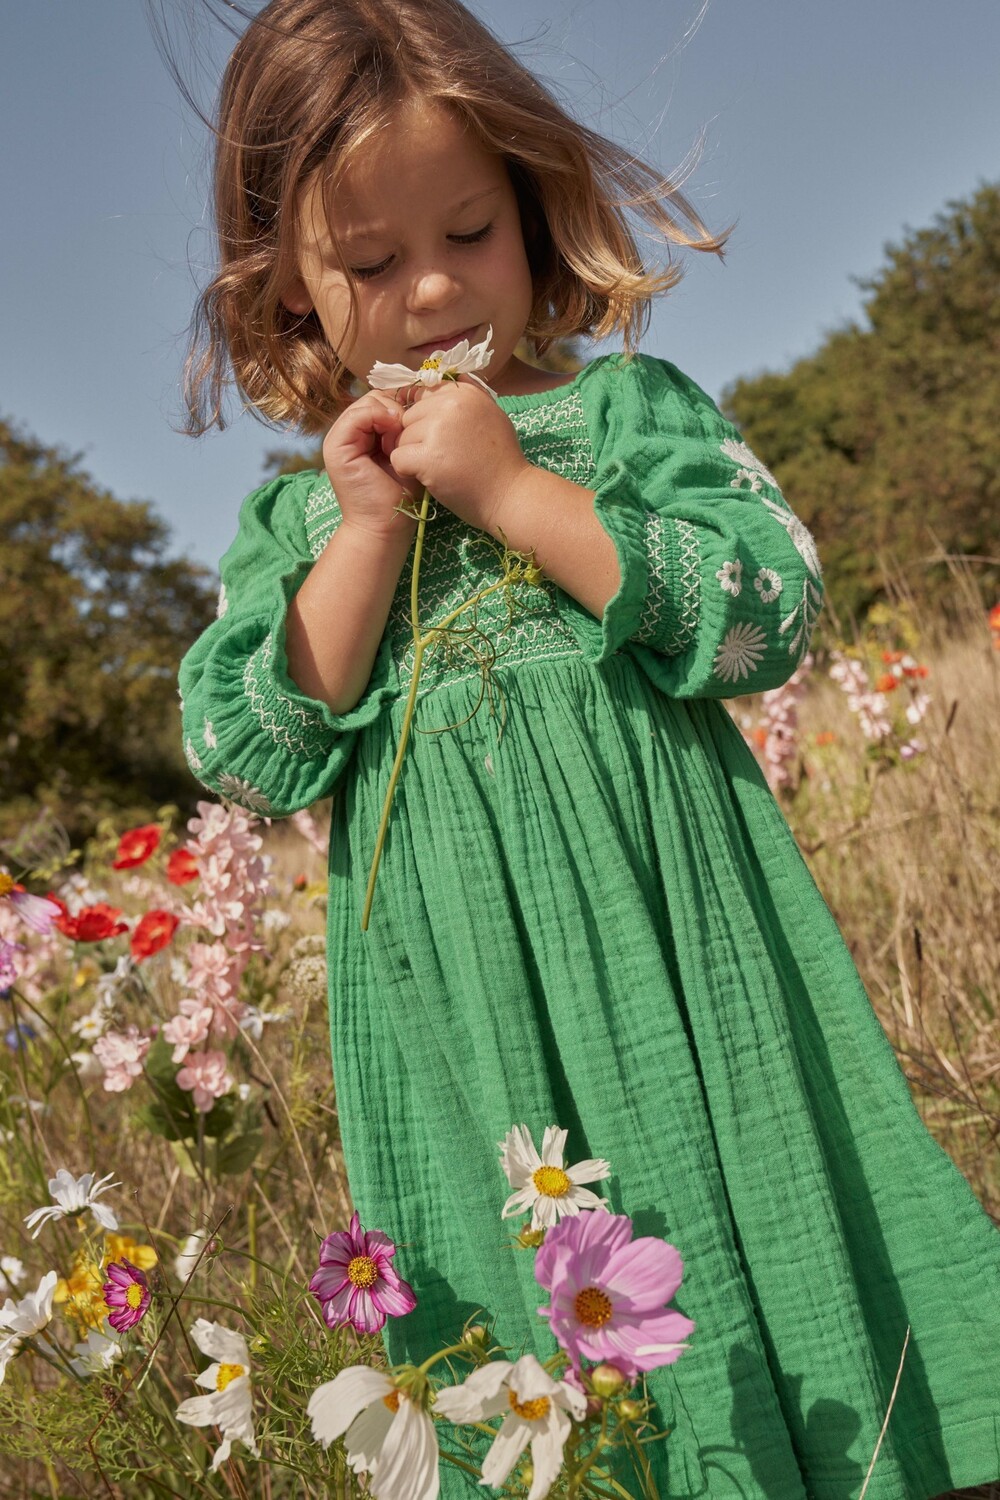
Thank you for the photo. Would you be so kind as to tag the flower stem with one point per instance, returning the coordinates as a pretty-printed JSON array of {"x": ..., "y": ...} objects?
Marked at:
[{"x": 404, "y": 734}]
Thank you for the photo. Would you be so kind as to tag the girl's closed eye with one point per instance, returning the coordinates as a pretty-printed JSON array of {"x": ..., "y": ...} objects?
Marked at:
[{"x": 475, "y": 237}]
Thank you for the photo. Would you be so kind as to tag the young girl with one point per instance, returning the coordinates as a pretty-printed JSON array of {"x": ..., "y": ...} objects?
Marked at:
[{"x": 590, "y": 911}]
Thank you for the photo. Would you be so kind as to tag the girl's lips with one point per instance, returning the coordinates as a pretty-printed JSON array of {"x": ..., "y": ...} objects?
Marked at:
[{"x": 447, "y": 342}]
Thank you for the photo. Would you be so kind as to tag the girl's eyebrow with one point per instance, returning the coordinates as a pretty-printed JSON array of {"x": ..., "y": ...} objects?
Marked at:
[{"x": 378, "y": 231}]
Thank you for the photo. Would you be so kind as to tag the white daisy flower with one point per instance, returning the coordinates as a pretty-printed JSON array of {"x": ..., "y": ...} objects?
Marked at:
[
  {"x": 98, "y": 1351},
  {"x": 536, "y": 1409},
  {"x": 386, "y": 1435},
  {"x": 740, "y": 653},
  {"x": 33, "y": 1312},
  {"x": 443, "y": 364},
  {"x": 9, "y": 1345},
  {"x": 12, "y": 1272},
  {"x": 230, "y": 1404},
  {"x": 72, "y": 1195},
  {"x": 89, "y": 1027},
  {"x": 768, "y": 585},
  {"x": 542, "y": 1183},
  {"x": 729, "y": 576},
  {"x": 238, "y": 790}
]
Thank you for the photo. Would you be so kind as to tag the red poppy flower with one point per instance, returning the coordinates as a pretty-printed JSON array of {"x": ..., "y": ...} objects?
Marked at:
[
  {"x": 299, "y": 883},
  {"x": 994, "y": 617},
  {"x": 151, "y": 933},
  {"x": 182, "y": 867},
  {"x": 891, "y": 657},
  {"x": 886, "y": 683},
  {"x": 136, "y": 845},
  {"x": 92, "y": 924}
]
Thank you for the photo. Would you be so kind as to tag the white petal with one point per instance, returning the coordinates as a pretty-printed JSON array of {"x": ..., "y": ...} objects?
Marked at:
[
  {"x": 197, "y": 1411},
  {"x": 553, "y": 1146},
  {"x": 519, "y": 1202},
  {"x": 519, "y": 1157},
  {"x": 223, "y": 1452},
  {"x": 545, "y": 1212},
  {"x": 547, "y": 1453},
  {"x": 104, "y": 1215},
  {"x": 508, "y": 1445},
  {"x": 383, "y": 377},
  {"x": 221, "y": 1343},
  {"x": 594, "y": 1170},
  {"x": 530, "y": 1381},
  {"x": 365, "y": 1438},
  {"x": 408, "y": 1467},
  {"x": 333, "y": 1406},
  {"x": 580, "y": 1197},
  {"x": 466, "y": 1402}
]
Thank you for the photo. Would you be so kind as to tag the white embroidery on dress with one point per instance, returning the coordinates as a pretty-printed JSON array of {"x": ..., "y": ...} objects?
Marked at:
[
  {"x": 299, "y": 729},
  {"x": 192, "y": 755},
  {"x": 235, "y": 789},
  {"x": 741, "y": 651},
  {"x": 730, "y": 577},
  {"x": 806, "y": 612},
  {"x": 209, "y": 736},
  {"x": 768, "y": 585},
  {"x": 223, "y": 604},
  {"x": 750, "y": 468}
]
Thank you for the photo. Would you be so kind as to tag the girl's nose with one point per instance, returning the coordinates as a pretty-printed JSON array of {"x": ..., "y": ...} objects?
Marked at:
[{"x": 431, "y": 288}]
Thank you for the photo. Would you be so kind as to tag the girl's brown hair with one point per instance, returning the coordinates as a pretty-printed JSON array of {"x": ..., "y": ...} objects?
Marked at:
[{"x": 309, "y": 82}]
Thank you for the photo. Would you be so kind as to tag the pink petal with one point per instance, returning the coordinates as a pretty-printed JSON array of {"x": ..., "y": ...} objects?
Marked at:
[
  {"x": 365, "y": 1313},
  {"x": 395, "y": 1300},
  {"x": 646, "y": 1273},
  {"x": 327, "y": 1282},
  {"x": 336, "y": 1309}
]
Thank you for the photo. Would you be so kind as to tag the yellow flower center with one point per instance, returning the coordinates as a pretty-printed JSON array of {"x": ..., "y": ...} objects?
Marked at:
[
  {"x": 551, "y": 1182},
  {"x": 531, "y": 1411},
  {"x": 134, "y": 1295},
  {"x": 593, "y": 1307},
  {"x": 431, "y": 364},
  {"x": 226, "y": 1374},
  {"x": 7, "y": 883},
  {"x": 362, "y": 1271},
  {"x": 391, "y": 1401}
]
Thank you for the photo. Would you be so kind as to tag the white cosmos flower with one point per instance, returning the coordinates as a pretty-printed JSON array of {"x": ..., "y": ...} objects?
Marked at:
[
  {"x": 9, "y": 1345},
  {"x": 72, "y": 1195},
  {"x": 33, "y": 1312},
  {"x": 443, "y": 364},
  {"x": 542, "y": 1183},
  {"x": 536, "y": 1409},
  {"x": 97, "y": 1352},
  {"x": 386, "y": 1435},
  {"x": 230, "y": 1404}
]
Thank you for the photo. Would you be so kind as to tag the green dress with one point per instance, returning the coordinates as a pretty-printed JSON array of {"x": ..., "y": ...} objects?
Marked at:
[{"x": 591, "y": 913}]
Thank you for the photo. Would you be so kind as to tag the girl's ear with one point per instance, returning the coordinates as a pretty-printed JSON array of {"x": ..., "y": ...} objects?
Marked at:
[{"x": 296, "y": 298}]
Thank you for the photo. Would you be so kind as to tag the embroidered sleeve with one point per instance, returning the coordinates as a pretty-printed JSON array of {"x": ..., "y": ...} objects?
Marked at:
[
  {"x": 250, "y": 734},
  {"x": 720, "y": 581}
]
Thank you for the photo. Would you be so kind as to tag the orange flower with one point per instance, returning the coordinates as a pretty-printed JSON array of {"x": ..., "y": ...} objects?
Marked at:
[
  {"x": 826, "y": 737},
  {"x": 299, "y": 883},
  {"x": 759, "y": 736},
  {"x": 994, "y": 617},
  {"x": 136, "y": 845},
  {"x": 886, "y": 683},
  {"x": 182, "y": 867},
  {"x": 152, "y": 932},
  {"x": 918, "y": 671},
  {"x": 892, "y": 657}
]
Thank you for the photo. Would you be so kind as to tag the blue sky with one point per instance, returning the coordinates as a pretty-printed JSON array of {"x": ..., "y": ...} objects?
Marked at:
[{"x": 826, "y": 127}]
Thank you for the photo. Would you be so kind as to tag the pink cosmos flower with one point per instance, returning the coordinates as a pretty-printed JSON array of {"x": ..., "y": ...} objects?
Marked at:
[
  {"x": 356, "y": 1282},
  {"x": 207, "y": 1076},
  {"x": 36, "y": 912},
  {"x": 126, "y": 1294},
  {"x": 121, "y": 1054},
  {"x": 188, "y": 1029},
  {"x": 608, "y": 1293}
]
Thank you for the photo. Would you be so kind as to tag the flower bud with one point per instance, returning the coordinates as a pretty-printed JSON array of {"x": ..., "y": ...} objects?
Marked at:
[
  {"x": 526, "y": 1475},
  {"x": 608, "y": 1380},
  {"x": 260, "y": 1344},
  {"x": 530, "y": 1239},
  {"x": 475, "y": 1335},
  {"x": 631, "y": 1411}
]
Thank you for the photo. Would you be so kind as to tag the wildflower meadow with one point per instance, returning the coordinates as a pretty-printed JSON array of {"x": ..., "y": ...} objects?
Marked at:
[{"x": 189, "y": 1305}]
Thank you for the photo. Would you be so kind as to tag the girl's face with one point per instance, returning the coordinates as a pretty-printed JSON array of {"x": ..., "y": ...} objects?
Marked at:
[{"x": 428, "y": 223}]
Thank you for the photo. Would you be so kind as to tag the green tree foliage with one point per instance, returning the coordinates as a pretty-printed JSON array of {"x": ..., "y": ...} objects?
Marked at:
[
  {"x": 887, "y": 438},
  {"x": 94, "y": 619}
]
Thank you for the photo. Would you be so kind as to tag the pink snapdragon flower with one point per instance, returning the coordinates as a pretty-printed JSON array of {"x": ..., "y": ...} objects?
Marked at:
[
  {"x": 126, "y": 1295},
  {"x": 207, "y": 1076},
  {"x": 189, "y": 1029},
  {"x": 356, "y": 1282},
  {"x": 608, "y": 1293},
  {"x": 121, "y": 1055}
]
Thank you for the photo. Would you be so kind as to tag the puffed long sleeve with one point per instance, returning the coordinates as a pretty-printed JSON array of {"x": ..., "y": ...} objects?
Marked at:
[
  {"x": 720, "y": 582},
  {"x": 250, "y": 734}
]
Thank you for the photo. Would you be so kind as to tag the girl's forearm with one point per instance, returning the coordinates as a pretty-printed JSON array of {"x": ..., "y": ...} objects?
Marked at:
[
  {"x": 554, "y": 518},
  {"x": 336, "y": 620}
]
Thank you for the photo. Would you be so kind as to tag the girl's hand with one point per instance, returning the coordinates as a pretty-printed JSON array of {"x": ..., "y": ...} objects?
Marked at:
[
  {"x": 356, "y": 454},
  {"x": 458, "y": 442}
]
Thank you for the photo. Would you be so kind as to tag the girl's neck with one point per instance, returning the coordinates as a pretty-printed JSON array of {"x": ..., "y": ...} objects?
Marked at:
[{"x": 522, "y": 379}]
